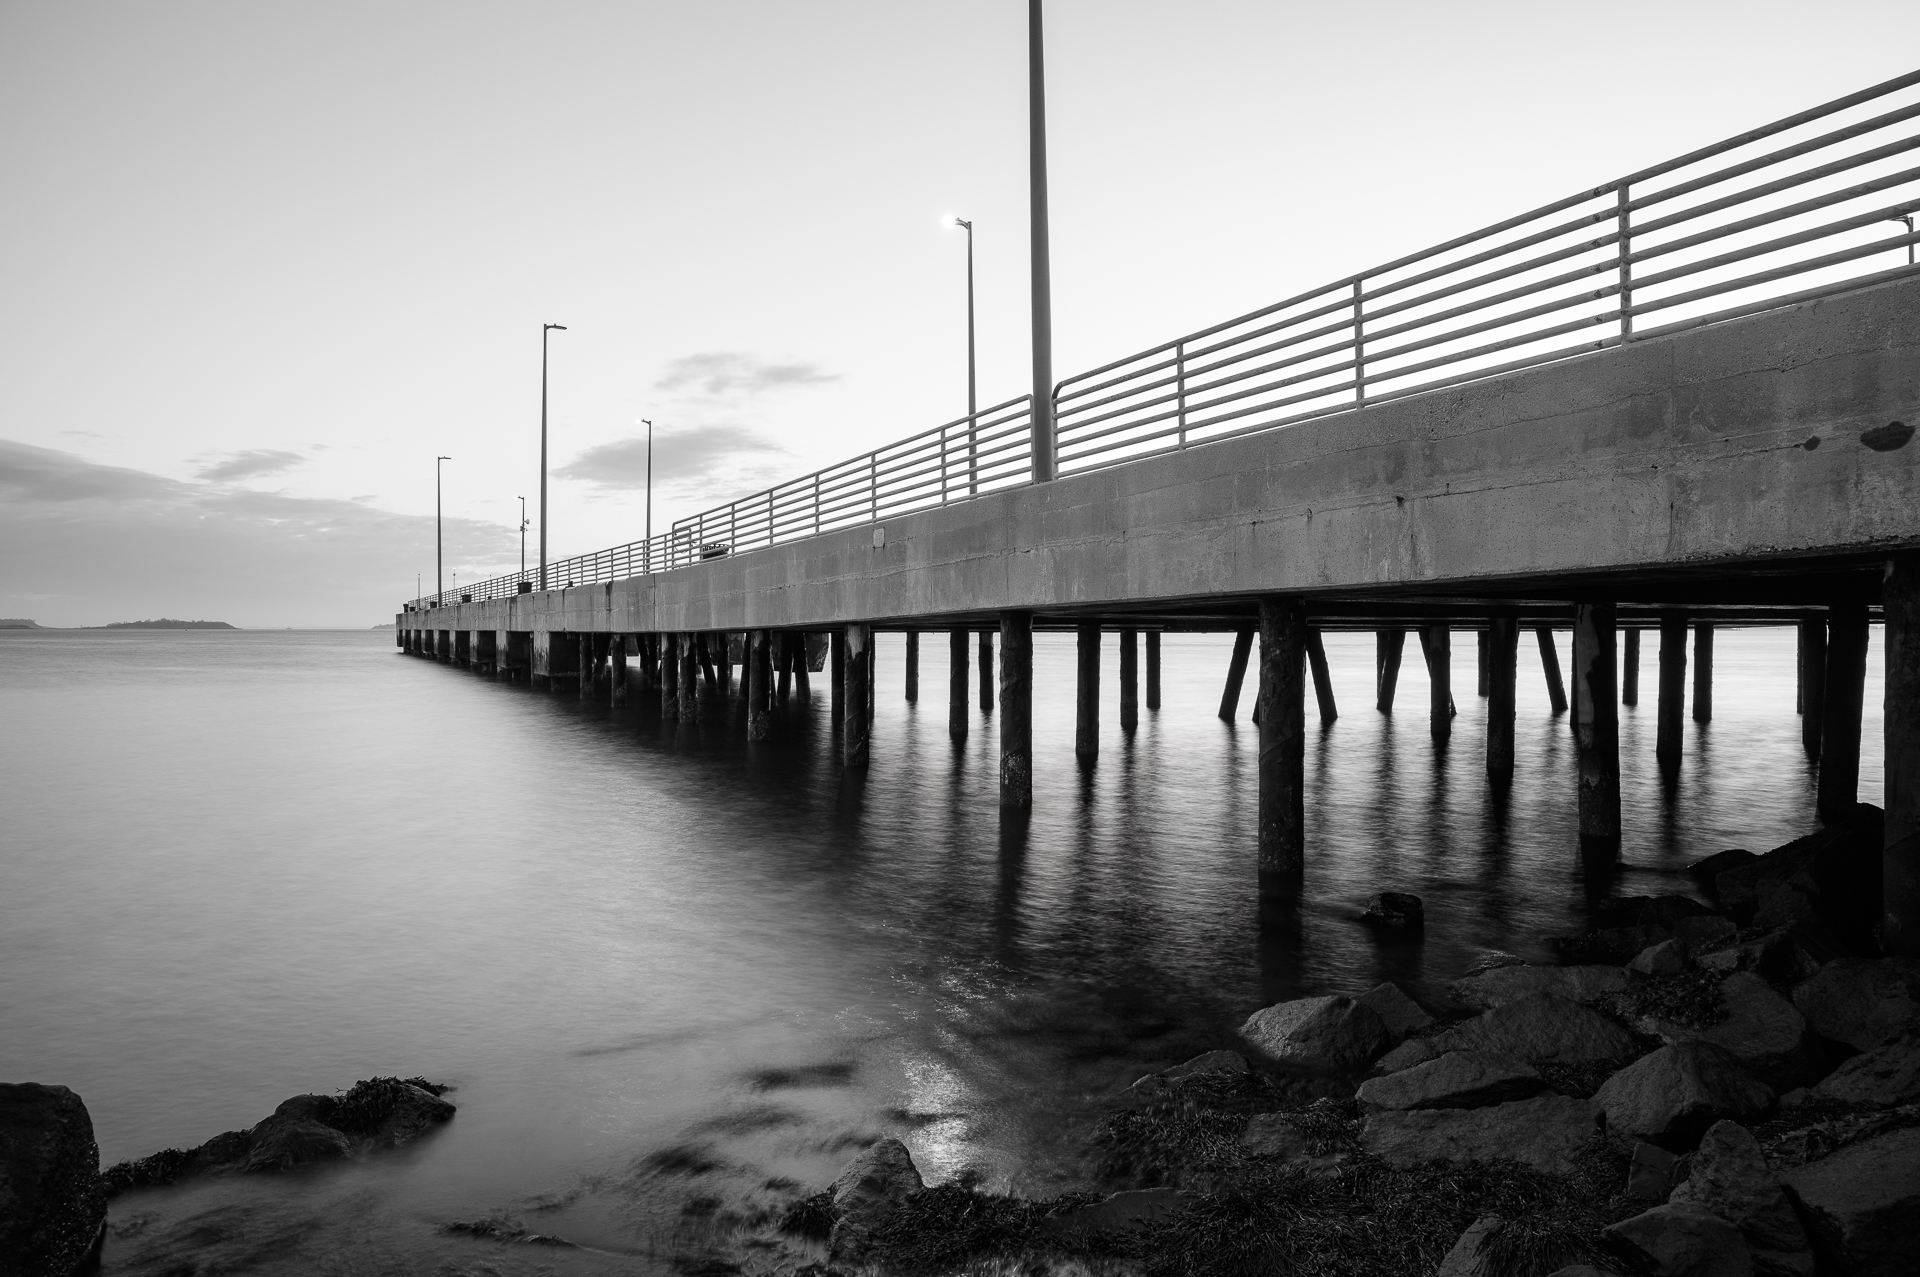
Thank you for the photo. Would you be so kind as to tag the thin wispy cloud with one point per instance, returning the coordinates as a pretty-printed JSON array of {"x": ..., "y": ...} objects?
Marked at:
[
  {"x": 680, "y": 457},
  {"x": 250, "y": 464},
  {"x": 731, "y": 373}
]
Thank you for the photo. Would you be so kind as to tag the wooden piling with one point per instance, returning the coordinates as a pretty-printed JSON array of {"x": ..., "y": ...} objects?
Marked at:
[
  {"x": 669, "y": 677},
  {"x": 705, "y": 648},
  {"x": 1236, "y": 673},
  {"x": 1550, "y": 666},
  {"x": 689, "y": 677},
  {"x": 1129, "y": 679},
  {"x": 1900, "y": 855},
  {"x": 802, "y": 680},
  {"x": 1388, "y": 646},
  {"x": 1630, "y": 666},
  {"x": 1503, "y": 653},
  {"x": 1840, "y": 722},
  {"x": 589, "y": 665},
  {"x": 913, "y": 666},
  {"x": 1153, "y": 669},
  {"x": 1086, "y": 720},
  {"x": 1322, "y": 681},
  {"x": 856, "y": 718},
  {"x": 959, "y": 643},
  {"x": 781, "y": 644},
  {"x": 1673, "y": 689},
  {"x": 1480, "y": 661},
  {"x": 1436, "y": 644},
  {"x": 1596, "y": 729},
  {"x": 617, "y": 669},
  {"x": 837, "y": 670},
  {"x": 723, "y": 662},
  {"x": 1016, "y": 709},
  {"x": 987, "y": 680},
  {"x": 1703, "y": 671},
  {"x": 1813, "y": 683},
  {"x": 1283, "y": 741},
  {"x": 759, "y": 684}
]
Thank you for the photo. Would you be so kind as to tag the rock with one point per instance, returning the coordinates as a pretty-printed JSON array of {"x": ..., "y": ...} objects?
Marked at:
[
  {"x": 1700, "y": 933},
  {"x": 52, "y": 1206},
  {"x": 869, "y": 1190},
  {"x": 1409, "y": 1053},
  {"x": 1650, "y": 1173},
  {"x": 1399, "y": 1012},
  {"x": 1470, "y": 1256},
  {"x": 1546, "y": 1133},
  {"x": 1682, "y": 1240},
  {"x": 1862, "y": 1205},
  {"x": 1885, "y": 1076},
  {"x": 1541, "y": 1028},
  {"x": 1727, "y": 957},
  {"x": 1131, "y": 1209},
  {"x": 1731, "y": 1178},
  {"x": 1669, "y": 957},
  {"x": 1672, "y": 1096},
  {"x": 1457, "y": 1080},
  {"x": 1760, "y": 1027},
  {"x": 1509, "y": 984},
  {"x": 1860, "y": 1002},
  {"x": 1328, "y": 1034},
  {"x": 1610, "y": 945},
  {"x": 1706, "y": 870},
  {"x": 410, "y": 1113},
  {"x": 1395, "y": 909},
  {"x": 1833, "y": 874},
  {"x": 285, "y": 1141},
  {"x": 1488, "y": 959},
  {"x": 1214, "y": 1062}
]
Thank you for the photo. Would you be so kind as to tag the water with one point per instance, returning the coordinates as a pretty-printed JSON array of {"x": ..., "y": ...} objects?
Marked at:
[{"x": 665, "y": 969}]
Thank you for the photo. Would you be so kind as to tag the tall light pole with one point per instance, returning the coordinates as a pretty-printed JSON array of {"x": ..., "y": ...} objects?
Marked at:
[
  {"x": 973, "y": 403},
  {"x": 649, "y": 537},
  {"x": 523, "y": 538},
  {"x": 544, "y": 330},
  {"x": 1043, "y": 453},
  {"x": 437, "y": 561}
]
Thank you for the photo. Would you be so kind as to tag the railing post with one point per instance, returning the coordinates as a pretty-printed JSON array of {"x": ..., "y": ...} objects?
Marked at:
[
  {"x": 973, "y": 454},
  {"x": 1623, "y": 218},
  {"x": 873, "y": 484},
  {"x": 943, "y": 465},
  {"x": 770, "y": 507},
  {"x": 1359, "y": 348},
  {"x": 1180, "y": 383},
  {"x": 816, "y": 503}
]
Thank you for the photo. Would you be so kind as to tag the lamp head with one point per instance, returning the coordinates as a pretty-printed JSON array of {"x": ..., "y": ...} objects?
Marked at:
[
  {"x": 952, "y": 222},
  {"x": 561, "y": 327}
]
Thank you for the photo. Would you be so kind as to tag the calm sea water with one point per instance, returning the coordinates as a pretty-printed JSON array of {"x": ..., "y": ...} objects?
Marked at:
[{"x": 665, "y": 969}]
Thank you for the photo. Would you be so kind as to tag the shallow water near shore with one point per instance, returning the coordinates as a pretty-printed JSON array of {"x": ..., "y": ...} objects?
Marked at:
[{"x": 672, "y": 975}]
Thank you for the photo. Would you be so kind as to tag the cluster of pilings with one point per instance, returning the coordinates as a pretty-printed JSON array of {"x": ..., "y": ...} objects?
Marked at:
[{"x": 687, "y": 669}]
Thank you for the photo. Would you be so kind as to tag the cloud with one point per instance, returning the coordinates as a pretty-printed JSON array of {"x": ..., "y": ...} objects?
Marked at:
[
  {"x": 696, "y": 458},
  {"x": 731, "y": 373},
  {"x": 82, "y": 544},
  {"x": 250, "y": 464}
]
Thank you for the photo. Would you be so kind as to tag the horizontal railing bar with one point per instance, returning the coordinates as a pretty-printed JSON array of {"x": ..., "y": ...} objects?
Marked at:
[
  {"x": 1779, "y": 272},
  {"x": 1771, "y": 246},
  {"x": 1778, "y": 215},
  {"x": 1781, "y": 184}
]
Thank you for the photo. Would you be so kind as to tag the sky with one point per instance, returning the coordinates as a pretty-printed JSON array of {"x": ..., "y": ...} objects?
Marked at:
[{"x": 262, "y": 262}]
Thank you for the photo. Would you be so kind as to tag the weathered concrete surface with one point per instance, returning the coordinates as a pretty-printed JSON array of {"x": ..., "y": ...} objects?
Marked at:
[{"x": 1690, "y": 451}]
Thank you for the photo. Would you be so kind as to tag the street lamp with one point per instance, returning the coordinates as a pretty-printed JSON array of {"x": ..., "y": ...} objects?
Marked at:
[
  {"x": 1042, "y": 277},
  {"x": 544, "y": 330},
  {"x": 523, "y": 538},
  {"x": 973, "y": 406},
  {"x": 649, "y": 536},
  {"x": 436, "y": 529}
]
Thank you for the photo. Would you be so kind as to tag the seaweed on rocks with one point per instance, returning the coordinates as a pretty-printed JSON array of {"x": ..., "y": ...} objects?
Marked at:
[{"x": 1689, "y": 998}]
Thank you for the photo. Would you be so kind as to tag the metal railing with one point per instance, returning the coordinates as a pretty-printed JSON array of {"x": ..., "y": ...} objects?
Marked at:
[{"x": 1817, "y": 203}]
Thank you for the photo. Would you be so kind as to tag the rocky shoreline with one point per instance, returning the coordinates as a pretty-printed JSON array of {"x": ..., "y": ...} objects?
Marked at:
[{"x": 1695, "y": 1091}]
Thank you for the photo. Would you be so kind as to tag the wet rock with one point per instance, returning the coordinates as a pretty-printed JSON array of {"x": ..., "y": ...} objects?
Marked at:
[
  {"x": 52, "y": 1207},
  {"x": 1731, "y": 1178},
  {"x": 1832, "y": 875},
  {"x": 1860, "y": 1002},
  {"x": 1399, "y": 1012},
  {"x": 1488, "y": 959},
  {"x": 1396, "y": 910},
  {"x": 1760, "y": 1027},
  {"x": 1613, "y": 946},
  {"x": 1405, "y": 1056},
  {"x": 1471, "y": 1255},
  {"x": 1885, "y": 1076},
  {"x": 1682, "y": 1240},
  {"x": 1669, "y": 957},
  {"x": 1546, "y": 1133},
  {"x": 867, "y": 1192},
  {"x": 1326, "y": 1034},
  {"x": 1217, "y": 1062},
  {"x": 1862, "y": 1205},
  {"x": 285, "y": 1141},
  {"x": 1726, "y": 957},
  {"x": 1704, "y": 932},
  {"x": 1672, "y": 1096},
  {"x": 1650, "y": 1173},
  {"x": 1706, "y": 870},
  {"x": 1134, "y": 1208},
  {"x": 1458, "y": 1079},
  {"x": 1541, "y": 1028},
  {"x": 1509, "y": 984}
]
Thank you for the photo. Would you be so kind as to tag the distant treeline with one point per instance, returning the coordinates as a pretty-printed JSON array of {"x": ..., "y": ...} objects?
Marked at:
[
  {"x": 164, "y": 624},
  {"x": 17, "y": 623}
]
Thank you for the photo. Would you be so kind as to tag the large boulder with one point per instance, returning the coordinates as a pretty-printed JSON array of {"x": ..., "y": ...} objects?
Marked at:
[
  {"x": 1472, "y": 1253},
  {"x": 1398, "y": 1011},
  {"x": 867, "y": 1193},
  {"x": 1457, "y": 1080},
  {"x": 1541, "y": 1028},
  {"x": 1862, "y": 1205},
  {"x": 1650, "y": 1172},
  {"x": 1545, "y": 1133},
  {"x": 1669, "y": 957},
  {"x": 1409, "y": 1053},
  {"x": 1673, "y": 1095},
  {"x": 1731, "y": 1178},
  {"x": 1682, "y": 1240},
  {"x": 1885, "y": 1076},
  {"x": 287, "y": 1140},
  {"x": 1509, "y": 984},
  {"x": 1327, "y": 1034},
  {"x": 1759, "y": 1026},
  {"x": 1832, "y": 875},
  {"x": 1226, "y": 1063},
  {"x": 1860, "y": 1002},
  {"x": 52, "y": 1207}
]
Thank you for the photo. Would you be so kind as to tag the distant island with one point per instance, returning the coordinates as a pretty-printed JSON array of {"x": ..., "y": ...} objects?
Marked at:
[
  {"x": 17, "y": 623},
  {"x": 164, "y": 624}
]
